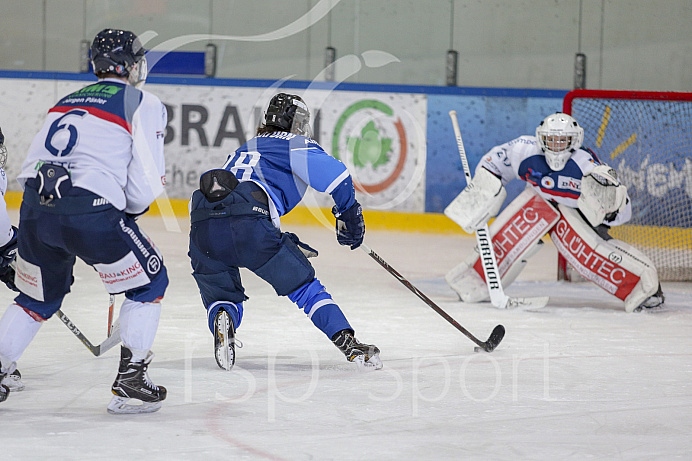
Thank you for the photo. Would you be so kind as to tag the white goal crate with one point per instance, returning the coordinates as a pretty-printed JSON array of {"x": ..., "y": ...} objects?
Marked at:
[{"x": 647, "y": 137}]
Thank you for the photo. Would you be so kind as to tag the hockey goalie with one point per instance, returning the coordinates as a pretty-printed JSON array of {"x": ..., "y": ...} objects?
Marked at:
[{"x": 569, "y": 195}]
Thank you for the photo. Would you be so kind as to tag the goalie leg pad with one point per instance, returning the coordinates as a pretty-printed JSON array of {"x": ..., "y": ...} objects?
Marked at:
[
  {"x": 516, "y": 234},
  {"x": 617, "y": 267},
  {"x": 466, "y": 282}
]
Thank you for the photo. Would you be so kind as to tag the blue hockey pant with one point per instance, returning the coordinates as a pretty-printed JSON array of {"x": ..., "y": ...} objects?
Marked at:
[{"x": 107, "y": 239}]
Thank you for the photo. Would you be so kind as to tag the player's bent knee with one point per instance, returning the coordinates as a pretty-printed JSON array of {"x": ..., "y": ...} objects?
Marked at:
[
  {"x": 287, "y": 270},
  {"x": 220, "y": 286}
]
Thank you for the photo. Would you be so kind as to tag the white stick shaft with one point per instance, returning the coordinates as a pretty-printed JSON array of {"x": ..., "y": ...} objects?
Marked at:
[
  {"x": 485, "y": 246},
  {"x": 460, "y": 145}
]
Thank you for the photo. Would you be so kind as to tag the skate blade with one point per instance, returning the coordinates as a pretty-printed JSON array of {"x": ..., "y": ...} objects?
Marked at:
[
  {"x": 373, "y": 363},
  {"x": 224, "y": 357},
  {"x": 119, "y": 406}
]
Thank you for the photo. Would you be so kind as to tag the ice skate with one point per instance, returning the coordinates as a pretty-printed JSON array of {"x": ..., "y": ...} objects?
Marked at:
[
  {"x": 224, "y": 340},
  {"x": 653, "y": 302},
  {"x": 4, "y": 390},
  {"x": 13, "y": 381},
  {"x": 133, "y": 382},
  {"x": 363, "y": 355}
]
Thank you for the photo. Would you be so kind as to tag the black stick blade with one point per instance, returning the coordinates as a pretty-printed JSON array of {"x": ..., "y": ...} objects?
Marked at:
[{"x": 494, "y": 339}]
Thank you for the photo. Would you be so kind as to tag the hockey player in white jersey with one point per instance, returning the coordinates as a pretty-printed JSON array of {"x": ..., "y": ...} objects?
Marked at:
[
  {"x": 235, "y": 223},
  {"x": 95, "y": 166},
  {"x": 11, "y": 379},
  {"x": 587, "y": 200}
]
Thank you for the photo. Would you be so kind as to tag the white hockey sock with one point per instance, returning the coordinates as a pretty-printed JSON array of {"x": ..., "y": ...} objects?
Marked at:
[
  {"x": 17, "y": 330},
  {"x": 138, "y": 324}
]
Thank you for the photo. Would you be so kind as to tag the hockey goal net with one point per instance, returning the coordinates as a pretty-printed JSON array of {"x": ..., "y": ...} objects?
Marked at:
[{"x": 647, "y": 138}]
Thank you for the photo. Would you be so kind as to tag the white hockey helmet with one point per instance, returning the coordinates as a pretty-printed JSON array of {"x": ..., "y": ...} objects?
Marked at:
[{"x": 559, "y": 135}]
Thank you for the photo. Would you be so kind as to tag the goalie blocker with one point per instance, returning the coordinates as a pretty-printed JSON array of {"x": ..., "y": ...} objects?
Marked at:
[{"x": 615, "y": 266}]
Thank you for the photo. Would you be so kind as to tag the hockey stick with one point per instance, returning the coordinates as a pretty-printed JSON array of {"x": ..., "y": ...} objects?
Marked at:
[
  {"x": 113, "y": 328},
  {"x": 99, "y": 349},
  {"x": 111, "y": 306},
  {"x": 495, "y": 337},
  {"x": 498, "y": 298}
]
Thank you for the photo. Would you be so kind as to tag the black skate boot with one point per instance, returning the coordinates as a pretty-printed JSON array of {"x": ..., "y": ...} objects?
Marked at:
[
  {"x": 224, "y": 340},
  {"x": 133, "y": 382},
  {"x": 363, "y": 355},
  {"x": 653, "y": 302}
]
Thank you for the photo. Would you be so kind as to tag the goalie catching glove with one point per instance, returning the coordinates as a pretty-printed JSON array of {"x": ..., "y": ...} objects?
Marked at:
[
  {"x": 602, "y": 196},
  {"x": 478, "y": 202},
  {"x": 350, "y": 226}
]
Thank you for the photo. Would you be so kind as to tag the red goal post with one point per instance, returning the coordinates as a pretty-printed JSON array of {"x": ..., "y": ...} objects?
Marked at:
[{"x": 647, "y": 137}]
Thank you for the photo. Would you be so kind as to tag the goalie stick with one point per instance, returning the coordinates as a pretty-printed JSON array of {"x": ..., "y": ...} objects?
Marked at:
[
  {"x": 495, "y": 337},
  {"x": 493, "y": 281}
]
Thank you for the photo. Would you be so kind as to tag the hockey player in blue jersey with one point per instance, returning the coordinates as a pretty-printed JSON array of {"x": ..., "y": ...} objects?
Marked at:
[
  {"x": 235, "y": 217},
  {"x": 588, "y": 197},
  {"x": 95, "y": 166}
]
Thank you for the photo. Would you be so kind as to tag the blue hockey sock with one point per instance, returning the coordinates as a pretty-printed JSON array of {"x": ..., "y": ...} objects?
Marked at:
[
  {"x": 318, "y": 305},
  {"x": 235, "y": 311}
]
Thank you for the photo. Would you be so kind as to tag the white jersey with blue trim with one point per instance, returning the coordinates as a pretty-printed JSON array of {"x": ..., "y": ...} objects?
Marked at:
[
  {"x": 523, "y": 158},
  {"x": 109, "y": 135},
  {"x": 285, "y": 165}
]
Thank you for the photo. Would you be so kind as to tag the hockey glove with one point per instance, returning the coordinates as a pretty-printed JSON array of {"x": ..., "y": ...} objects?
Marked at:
[
  {"x": 306, "y": 249},
  {"x": 8, "y": 253},
  {"x": 7, "y": 277},
  {"x": 350, "y": 226}
]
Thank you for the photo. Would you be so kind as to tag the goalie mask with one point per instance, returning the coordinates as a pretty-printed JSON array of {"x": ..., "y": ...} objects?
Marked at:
[
  {"x": 119, "y": 52},
  {"x": 559, "y": 135},
  {"x": 3, "y": 150},
  {"x": 288, "y": 112}
]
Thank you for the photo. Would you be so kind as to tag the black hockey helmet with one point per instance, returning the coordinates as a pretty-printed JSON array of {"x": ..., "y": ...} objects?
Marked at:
[
  {"x": 119, "y": 52},
  {"x": 288, "y": 112},
  {"x": 3, "y": 150}
]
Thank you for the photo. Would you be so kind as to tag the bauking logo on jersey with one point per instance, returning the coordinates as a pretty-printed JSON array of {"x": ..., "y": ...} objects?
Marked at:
[
  {"x": 603, "y": 271},
  {"x": 122, "y": 275}
]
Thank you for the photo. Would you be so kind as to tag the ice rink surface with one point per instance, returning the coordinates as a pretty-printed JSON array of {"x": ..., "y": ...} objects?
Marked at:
[{"x": 579, "y": 379}]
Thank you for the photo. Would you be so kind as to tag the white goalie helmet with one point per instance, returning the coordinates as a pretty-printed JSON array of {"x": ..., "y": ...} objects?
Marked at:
[{"x": 559, "y": 135}]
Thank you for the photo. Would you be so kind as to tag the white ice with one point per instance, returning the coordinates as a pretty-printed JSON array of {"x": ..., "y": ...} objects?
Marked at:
[{"x": 579, "y": 379}]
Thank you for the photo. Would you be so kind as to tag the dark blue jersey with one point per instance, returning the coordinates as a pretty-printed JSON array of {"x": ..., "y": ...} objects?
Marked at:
[{"x": 285, "y": 165}]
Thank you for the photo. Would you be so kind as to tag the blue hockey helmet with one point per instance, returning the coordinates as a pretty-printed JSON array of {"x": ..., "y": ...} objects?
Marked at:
[
  {"x": 121, "y": 53},
  {"x": 288, "y": 112}
]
